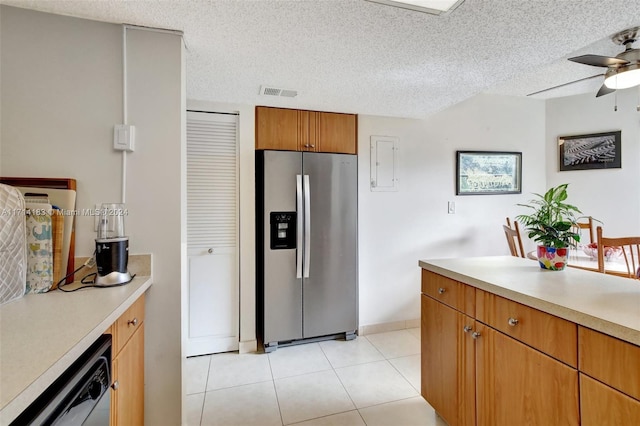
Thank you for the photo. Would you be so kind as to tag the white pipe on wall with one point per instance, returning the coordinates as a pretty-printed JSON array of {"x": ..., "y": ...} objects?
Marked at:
[{"x": 124, "y": 110}]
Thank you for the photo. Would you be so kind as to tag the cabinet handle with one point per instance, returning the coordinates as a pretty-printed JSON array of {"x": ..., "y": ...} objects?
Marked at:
[
  {"x": 210, "y": 251},
  {"x": 467, "y": 328},
  {"x": 306, "y": 145},
  {"x": 513, "y": 322},
  {"x": 313, "y": 146},
  {"x": 475, "y": 334},
  {"x": 441, "y": 290},
  {"x": 133, "y": 322},
  {"x": 115, "y": 385}
]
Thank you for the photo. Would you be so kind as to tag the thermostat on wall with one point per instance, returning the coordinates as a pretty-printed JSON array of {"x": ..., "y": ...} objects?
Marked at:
[{"x": 123, "y": 137}]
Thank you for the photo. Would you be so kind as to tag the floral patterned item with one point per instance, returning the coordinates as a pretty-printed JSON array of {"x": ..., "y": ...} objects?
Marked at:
[
  {"x": 39, "y": 251},
  {"x": 554, "y": 259}
]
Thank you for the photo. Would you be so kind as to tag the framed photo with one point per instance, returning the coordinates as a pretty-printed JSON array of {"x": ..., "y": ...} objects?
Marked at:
[
  {"x": 488, "y": 172},
  {"x": 595, "y": 151}
]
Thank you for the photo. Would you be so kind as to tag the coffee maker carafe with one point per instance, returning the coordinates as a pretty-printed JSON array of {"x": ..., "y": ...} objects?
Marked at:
[{"x": 112, "y": 247}]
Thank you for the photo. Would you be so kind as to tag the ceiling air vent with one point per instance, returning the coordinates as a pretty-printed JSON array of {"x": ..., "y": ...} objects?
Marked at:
[{"x": 274, "y": 91}]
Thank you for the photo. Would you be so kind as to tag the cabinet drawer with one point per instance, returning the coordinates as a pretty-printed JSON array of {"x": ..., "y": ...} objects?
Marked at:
[
  {"x": 610, "y": 360},
  {"x": 127, "y": 324},
  {"x": 450, "y": 292},
  {"x": 552, "y": 335},
  {"x": 602, "y": 405}
]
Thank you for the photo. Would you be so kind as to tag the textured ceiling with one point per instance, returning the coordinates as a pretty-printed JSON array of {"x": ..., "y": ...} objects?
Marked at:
[{"x": 363, "y": 57}]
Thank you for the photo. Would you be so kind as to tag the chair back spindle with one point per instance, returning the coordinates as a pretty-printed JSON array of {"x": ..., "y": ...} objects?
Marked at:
[
  {"x": 585, "y": 225},
  {"x": 513, "y": 238},
  {"x": 630, "y": 252}
]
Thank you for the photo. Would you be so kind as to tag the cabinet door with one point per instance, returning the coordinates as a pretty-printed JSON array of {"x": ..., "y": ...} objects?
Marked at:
[
  {"x": 602, "y": 405},
  {"x": 307, "y": 131},
  {"x": 448, "y": 362},
  {"x": 127, "y": 402},
  {"x": 337, "y": 133},
  {"x": 276, "y": 128},
  {"x": 518, "y": 385}
]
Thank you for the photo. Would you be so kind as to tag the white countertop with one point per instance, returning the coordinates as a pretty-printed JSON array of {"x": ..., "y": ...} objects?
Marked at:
[
  {"x": 602, "y": 302},
  {"x": 42, "y": 334}
]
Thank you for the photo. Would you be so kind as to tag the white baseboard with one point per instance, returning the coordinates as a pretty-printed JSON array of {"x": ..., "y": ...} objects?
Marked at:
[
  {"x": 363, "y": 330},
  {"x": 248, "y": 346}
]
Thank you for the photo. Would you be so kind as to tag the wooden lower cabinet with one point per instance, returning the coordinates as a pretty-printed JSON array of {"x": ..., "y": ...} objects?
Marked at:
[
  {"x": 127, "y": 393},
  {"x": 518, "y": 385},
  {"x": 473, "y": 374},
  {"x": 448, "y": 362},
  {"x": 603, "y": 405}
]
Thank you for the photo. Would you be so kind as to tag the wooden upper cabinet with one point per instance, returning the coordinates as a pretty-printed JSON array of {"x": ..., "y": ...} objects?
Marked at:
[
  {"x": 337, "y": 133},
  {"x": 307, "y": 131},
  {"x": 276, "y": 128},
  {"x": 301, "y": 130}
]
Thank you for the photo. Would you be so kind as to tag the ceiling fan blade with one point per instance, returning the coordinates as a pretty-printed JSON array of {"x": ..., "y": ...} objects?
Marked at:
[
  {"x": 604, "y": 90},
  {"x": 565, "y": 84},
  {"x": 598, "y": 61}
]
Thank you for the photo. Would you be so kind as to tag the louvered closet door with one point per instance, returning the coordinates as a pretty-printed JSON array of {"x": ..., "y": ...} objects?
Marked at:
[{"x": 212, "y": 232}]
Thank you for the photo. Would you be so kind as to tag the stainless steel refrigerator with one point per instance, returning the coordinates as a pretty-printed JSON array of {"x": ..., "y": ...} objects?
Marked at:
[{"x": 306, "y": 248}]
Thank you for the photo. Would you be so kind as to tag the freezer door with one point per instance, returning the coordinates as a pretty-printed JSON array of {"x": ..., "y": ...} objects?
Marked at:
[
  {"x": 330, "y": 291},
  {"x": 282, "y": 290}
]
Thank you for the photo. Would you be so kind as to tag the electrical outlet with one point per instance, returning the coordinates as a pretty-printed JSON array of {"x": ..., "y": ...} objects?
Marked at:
[{"x": 451, "y": 207}]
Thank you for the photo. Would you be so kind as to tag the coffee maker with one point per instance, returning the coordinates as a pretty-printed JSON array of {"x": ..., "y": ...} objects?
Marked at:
[{"x": 112, "y": 247}]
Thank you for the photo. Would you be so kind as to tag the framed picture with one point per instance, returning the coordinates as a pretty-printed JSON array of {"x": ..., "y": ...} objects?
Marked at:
[
  {"x": 488, "y": 172},
  {"x": 595, "y": 151}
]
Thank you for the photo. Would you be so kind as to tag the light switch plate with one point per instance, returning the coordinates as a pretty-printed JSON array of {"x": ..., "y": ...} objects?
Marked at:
[
  {"x": 123, "y": 137},
  {"x": 451, "y": 207}
]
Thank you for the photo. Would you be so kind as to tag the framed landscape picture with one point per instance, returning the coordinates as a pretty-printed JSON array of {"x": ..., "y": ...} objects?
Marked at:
[
  {"x": 488, "y": 172},
  {"x": 594, "y": 151}
]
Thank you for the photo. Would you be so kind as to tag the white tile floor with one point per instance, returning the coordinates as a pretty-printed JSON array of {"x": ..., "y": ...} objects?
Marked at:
[{"x": 372, "y": 380}]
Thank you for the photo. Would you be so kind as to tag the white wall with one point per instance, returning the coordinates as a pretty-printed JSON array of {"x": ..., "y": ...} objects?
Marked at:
[
  {"x": 157, "y": 216},
  {"x": 396, "y": 229},
  {"x": 610, "y": 195},
  {"x": 61, "y": 95}
]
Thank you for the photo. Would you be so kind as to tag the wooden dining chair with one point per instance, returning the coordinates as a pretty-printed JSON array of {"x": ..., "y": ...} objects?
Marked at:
[
  {"x": 630, "y": 252},
  {"x": 585, "y": 225},
  {"x": 513, "y": 238}
]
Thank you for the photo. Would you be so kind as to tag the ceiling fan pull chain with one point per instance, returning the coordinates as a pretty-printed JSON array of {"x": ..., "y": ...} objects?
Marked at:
[{"x": 615, "y": 107}]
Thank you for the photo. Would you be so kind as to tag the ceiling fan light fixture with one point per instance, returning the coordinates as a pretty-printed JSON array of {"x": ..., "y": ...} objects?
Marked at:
[
  {"x": 623, "y": 77},
  {"x": 433, "y": 7}
]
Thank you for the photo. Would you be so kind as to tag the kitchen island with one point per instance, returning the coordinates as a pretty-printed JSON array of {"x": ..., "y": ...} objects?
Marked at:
[
  {"x": 41, "y": 335},
  {"x": 505, "y": 342}
]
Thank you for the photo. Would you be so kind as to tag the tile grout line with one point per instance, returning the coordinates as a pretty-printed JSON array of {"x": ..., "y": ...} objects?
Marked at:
[
  {"x": 273, "y": 382},
  {"x": 341, "y": 383},
  {"x": 389, "y": 402},
  {"x": 205, "y": 389},
  {"x": 376, "y": 348},
  {"x": 402, "y": 375}
]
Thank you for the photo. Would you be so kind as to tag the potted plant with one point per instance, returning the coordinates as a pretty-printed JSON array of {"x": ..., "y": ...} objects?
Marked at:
[{"x": 552, "y": 224}]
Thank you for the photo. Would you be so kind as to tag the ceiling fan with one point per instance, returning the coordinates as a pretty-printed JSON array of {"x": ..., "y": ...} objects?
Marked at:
[{"x": 623, "y": 71}]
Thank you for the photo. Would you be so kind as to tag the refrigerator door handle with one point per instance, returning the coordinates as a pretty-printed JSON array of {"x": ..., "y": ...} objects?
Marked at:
[
  {"x": 307, "y": 226},
  {"x": 299, "y": 234}
]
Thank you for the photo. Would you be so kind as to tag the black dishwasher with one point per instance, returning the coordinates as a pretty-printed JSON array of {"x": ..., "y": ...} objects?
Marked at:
[{"x": 80, "y": 396}]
